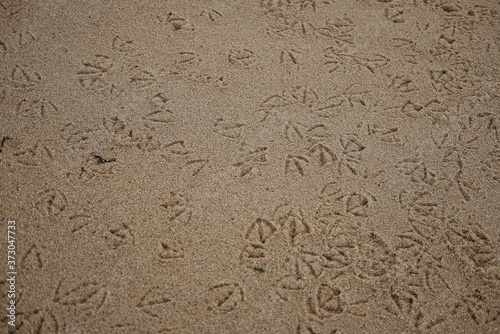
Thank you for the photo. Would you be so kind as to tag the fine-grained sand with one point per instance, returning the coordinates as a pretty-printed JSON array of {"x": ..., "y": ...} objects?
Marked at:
[{"x": 250, "y": 166}]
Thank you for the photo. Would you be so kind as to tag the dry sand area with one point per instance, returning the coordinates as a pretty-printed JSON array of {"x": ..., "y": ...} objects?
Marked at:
[{"x": 250, "y": 166}]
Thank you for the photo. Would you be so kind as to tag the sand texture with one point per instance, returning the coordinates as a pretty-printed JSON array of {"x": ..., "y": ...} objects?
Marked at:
[{"x": 251, "y": 166}]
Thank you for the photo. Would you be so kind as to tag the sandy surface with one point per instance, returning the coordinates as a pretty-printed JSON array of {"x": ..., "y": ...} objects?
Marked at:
[{"x": 237, "y": 166}]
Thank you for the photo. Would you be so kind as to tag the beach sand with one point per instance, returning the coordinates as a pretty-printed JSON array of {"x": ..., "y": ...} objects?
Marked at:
[{"x": 237, "y": 166}]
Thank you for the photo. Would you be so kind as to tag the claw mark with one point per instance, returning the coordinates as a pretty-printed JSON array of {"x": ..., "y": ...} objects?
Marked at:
[
  {"x": 295, "y": 162},
  {"x": 417, "y": 170},
  {"x": 196, "y": 165},
  {"x": 242, "y": 58},
  {"x": 38, "y": 322},
  {"x": 14, "y": 9},
  {"x": 253, "y": 252},
  {"x": 403, "y": 83},
  {"x": 142, "y": 78},
  {"x": 36, "y": 108},
  {"x": 178, "y": 208},
  {"x": 177, "y": 23},
  {"x": 122, "y": 45},
  {"x": 76, "y": 136},
  {"x": 34, "y": 155},
  {"x": 251, "y": 160},
  {"x": 358, "y": 204},
  {"x": 260, "y": 231},
  {"x": 96, "y": 165},
  {"x": 337, "y": 59},
  {"x": 291, "y": 220},
  {"x": 120, "y": 236},
  {"x": 325, "y": 302},
  {"x": 231, "y": 130},
  {"x": 31, "y": 260},
  {"x": 160, "y": 113},
  {"x": 395, "y": 13},
  {"x": 305, "y": 96},
  {"x": 323, "y": 154},
  {"x": 225, "y": 297},
  {"x": 87, "y": 297},
  {"x": 386, "y": 134},
  {"x": 24, "y": 77},
  {"x": 212, "y": 15},
  {"x": 291, "y": 131},
  {"x": 80, "y": 221},
  {"x": 289, "y": 56},
  {"x": 154, "y": 301},
  {"x": 186, "y": 59},
  {"x": 167, "y": 252},
  {"x": 51, "y": 202}
]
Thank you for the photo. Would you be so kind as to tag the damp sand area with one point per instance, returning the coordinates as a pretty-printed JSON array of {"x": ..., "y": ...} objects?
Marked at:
[{"x": 264, "y": 166}]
